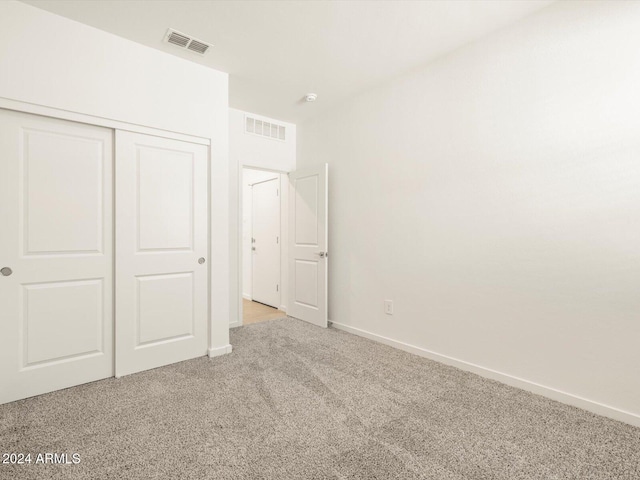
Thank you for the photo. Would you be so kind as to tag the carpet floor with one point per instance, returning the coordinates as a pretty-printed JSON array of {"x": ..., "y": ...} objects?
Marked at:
[{"x": 294, "y": 401}]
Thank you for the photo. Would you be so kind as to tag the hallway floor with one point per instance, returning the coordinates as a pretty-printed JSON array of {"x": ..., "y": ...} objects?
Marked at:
[{"x": 254, "y": 312}]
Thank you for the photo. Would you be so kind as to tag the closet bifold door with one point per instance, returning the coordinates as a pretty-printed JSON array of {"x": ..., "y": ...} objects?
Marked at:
[
  {"x": 161, "y": 251},
  {"x": 56, "y": 254}
]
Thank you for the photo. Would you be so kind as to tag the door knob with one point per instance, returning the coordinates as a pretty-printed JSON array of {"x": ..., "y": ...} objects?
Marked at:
[
  {"x": 6, "y": 271},
  {"x": 201, "y": 260},
  {"x": 323, "y": 254}
]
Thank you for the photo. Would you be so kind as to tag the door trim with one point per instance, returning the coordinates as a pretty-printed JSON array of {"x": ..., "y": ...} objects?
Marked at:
[{"x": 44, "y": 111}]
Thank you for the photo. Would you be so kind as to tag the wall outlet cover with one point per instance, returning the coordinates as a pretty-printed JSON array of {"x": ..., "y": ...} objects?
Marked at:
[{"x": 388, "y": 307}]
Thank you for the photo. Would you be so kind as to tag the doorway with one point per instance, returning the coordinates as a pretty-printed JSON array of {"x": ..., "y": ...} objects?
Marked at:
[
  {"x": 263, "y": 204},
  {"x": 303, "y": 244}
]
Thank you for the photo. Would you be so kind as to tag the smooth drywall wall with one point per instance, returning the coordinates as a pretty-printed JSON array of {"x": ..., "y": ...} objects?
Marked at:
[
  {"x": 51, "y": 61},
  {"x": 494, "y": 196},
  {"x": 251, "y": 150}
]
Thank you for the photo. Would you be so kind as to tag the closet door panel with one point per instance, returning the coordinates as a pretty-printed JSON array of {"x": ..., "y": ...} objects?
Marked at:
[
  {"x": 162, "y": 244},
  {"x": 56, "y": 254}
]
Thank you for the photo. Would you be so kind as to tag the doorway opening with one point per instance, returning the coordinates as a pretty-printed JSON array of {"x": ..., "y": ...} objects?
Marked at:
[
  {"x": 264, "y": 220},
  {"x": 300, "y": 289}
]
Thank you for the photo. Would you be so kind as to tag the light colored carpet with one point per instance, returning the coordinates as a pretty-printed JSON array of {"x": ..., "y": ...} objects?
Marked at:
[{"x": 295, "y": 401}]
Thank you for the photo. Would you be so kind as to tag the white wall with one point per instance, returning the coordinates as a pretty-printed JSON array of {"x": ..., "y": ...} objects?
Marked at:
[
  {"x": 263, "y": 153},
  {"x": 494, "y": 196},
  {"x": 51, "y": 61}
]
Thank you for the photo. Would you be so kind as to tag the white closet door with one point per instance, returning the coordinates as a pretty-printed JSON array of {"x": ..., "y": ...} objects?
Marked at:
[
  {"x": 161, "y": 250},
  {"x": 265, "y": 217},
  {"x": 56, "y": 318},
  {"x": 308, "y": 243}
]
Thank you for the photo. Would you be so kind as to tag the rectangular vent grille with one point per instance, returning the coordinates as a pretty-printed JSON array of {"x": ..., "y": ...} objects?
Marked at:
[
  {"x": 184, "y": 41},
  {"x": 178, "y": 39},
  {"x": 198, "y": 47},
  {"x": 265, "y": 129}
]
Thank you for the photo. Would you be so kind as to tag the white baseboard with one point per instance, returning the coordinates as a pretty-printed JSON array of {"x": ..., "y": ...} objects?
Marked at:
[
  {"x": 235, "y": 324},
  {"x": 283, "y": 308},
  {"x": 552, "y": 393},
  {"x": 246, "y": 297},
  {"x": 217, "y": 351}
]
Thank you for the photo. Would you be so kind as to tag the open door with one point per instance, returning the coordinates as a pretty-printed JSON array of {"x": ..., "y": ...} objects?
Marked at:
[{"x": 308, "y": 245}]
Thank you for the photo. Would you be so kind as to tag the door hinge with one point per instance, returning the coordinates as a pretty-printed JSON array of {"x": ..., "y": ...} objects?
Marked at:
[
  {"x": 277, "y": 240},
  {"x": 277, "y": 287},
  {"x": 277, "y": 192}
]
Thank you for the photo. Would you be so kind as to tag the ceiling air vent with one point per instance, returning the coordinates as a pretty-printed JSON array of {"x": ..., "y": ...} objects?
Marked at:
[
  {"x": 198, "y": 47},
  {"x": 265, "y": 129},
  {"x": 185, "y": 41}
]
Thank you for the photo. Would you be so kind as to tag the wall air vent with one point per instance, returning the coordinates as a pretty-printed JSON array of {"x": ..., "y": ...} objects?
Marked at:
[
  {"x": 185, "y": 41},
  {"x": 265, "y": 129}
]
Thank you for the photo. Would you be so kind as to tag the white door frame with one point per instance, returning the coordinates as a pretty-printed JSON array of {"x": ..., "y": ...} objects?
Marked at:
[
  {"x": 283, "y": 294},
  {"x": 43, "y": 111}
]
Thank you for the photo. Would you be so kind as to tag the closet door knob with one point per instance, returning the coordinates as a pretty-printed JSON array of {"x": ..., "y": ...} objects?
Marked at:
[
  {"x": 6, "y": 271},
  {"x": 201, "y": 260}
]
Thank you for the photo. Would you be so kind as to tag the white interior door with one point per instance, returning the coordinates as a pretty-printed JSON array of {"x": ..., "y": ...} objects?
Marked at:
[
  {"x": 161, "y": 250},
  {"x": 308, "y": 245},
  {"x": 265, "y": 219},
  {"x": 56, "y": 318}
]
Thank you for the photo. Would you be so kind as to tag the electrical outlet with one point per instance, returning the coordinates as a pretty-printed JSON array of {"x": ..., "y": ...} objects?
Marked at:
[{"x": 388, "y": 307}]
